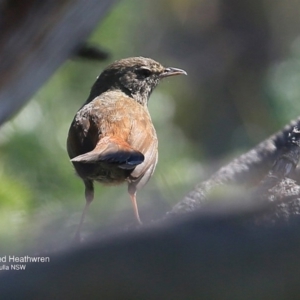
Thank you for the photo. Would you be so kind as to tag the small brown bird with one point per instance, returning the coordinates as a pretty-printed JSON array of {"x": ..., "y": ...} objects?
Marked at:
[{"x": 112, "y": 139}]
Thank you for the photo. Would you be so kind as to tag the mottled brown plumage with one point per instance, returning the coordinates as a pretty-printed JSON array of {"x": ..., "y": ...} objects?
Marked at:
[{"x": 112, "y": 139}]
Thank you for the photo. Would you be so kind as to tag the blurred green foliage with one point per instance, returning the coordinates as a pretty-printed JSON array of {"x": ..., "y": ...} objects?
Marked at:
[{"x": 42, "y": 198}]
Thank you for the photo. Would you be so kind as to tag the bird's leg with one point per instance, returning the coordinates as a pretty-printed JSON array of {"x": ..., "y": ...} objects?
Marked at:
[
  {"x": 89, "y": 196},
  {"x": 132, "y": 194}
]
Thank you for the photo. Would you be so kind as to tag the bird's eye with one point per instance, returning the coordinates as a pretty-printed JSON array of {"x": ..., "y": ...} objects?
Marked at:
[{"x": 144, "y": 72}]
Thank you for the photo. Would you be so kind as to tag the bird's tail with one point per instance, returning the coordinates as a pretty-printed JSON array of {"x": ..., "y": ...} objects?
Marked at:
[{"x": 112, "y": 150}]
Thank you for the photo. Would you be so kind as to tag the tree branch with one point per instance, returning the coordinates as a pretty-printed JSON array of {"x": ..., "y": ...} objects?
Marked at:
[
  {"x": 36, "y": 37},
  {"x": 247, "y": 170}
]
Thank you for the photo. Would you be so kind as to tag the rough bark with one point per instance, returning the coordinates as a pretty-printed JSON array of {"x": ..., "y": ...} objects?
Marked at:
[{"x": 249, "y": 169}]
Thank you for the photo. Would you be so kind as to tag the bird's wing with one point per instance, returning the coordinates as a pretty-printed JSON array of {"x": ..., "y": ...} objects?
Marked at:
[
  {"x": 80, "y": 137},
  {"x": 115, "y": 129},
  {"x": 100, "y": 130}
]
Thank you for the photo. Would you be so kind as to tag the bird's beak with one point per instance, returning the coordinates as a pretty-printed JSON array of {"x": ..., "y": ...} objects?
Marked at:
[{"x": 172, "y": 72}]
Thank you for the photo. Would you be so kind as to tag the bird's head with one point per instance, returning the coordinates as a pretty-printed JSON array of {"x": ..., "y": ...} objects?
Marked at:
[{"x": 135, "y": 76}]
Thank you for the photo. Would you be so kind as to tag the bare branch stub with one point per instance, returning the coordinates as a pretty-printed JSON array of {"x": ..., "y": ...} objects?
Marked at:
[{"x": 36, "y": 37}]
